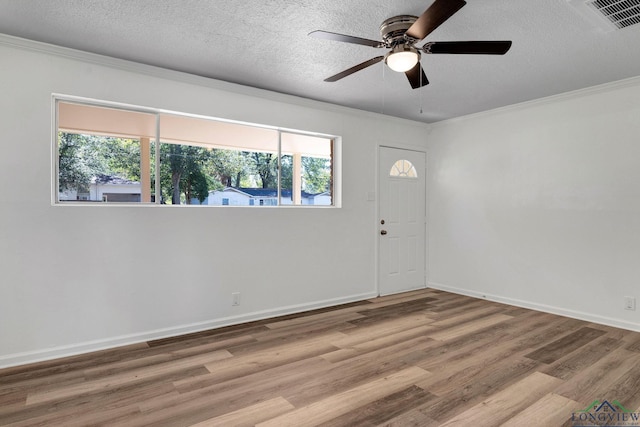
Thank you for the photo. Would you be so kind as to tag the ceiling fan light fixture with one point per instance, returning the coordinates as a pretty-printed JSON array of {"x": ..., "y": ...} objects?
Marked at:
[{"x": 402, "y": 58}]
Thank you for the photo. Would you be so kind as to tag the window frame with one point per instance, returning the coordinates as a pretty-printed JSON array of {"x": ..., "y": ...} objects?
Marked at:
[{"x": 333, "y": 140}]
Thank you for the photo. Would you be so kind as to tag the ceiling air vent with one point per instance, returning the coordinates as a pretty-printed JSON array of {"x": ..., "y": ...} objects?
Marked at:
[{"x": 611, "y": 14}]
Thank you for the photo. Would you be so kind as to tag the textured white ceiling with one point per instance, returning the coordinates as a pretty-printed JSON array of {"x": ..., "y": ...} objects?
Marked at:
[{"x": 264, "y": 44}]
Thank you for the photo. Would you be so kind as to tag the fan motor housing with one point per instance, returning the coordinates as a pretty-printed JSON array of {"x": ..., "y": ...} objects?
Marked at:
[{"x": 393, "y": 29}]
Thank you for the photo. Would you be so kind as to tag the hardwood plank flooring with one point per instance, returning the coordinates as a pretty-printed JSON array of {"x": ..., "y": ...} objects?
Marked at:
[
  {"x": 506, "y": 403},
  {"x": 424, "y": 358}
]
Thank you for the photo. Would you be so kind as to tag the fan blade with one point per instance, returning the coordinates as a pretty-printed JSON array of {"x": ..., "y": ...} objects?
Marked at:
[
  {"x": 469, "y": 48},
  {"x": 353, "y": 69},
  {"x": 417, "y": 77},
  {"x": 325, "y": 35},
  {"x": 436, "y": 14}
]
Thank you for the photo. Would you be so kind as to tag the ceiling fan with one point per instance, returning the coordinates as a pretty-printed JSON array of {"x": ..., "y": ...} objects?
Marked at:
[{"x": 401, "y": 33}]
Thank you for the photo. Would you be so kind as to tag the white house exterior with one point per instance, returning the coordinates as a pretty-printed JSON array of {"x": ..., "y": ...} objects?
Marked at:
[
  {"x": 106, "y": 188},
  {"x": 321, "y": 199},
  {"x": 262, "y": 197}
]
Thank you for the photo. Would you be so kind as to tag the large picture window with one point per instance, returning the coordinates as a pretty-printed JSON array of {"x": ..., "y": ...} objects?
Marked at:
[{"x": 107, "y": 154}]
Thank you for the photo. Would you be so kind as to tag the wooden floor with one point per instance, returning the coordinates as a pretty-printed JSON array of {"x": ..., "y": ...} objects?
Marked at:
[{"x": 425, "y": 358}]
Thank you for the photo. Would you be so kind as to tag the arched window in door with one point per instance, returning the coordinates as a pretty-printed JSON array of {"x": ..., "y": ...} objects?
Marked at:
[{"x": 403, "y": 169}]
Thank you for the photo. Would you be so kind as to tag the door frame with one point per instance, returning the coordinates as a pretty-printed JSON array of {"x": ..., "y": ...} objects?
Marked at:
[{"x": 376, "y": 224}]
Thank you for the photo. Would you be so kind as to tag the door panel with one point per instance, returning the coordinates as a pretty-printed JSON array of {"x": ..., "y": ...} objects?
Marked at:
[{"x": 402, "y": 225}]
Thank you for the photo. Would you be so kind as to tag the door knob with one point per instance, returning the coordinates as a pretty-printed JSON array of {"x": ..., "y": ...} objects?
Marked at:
[{"x": 383, "y": 232}]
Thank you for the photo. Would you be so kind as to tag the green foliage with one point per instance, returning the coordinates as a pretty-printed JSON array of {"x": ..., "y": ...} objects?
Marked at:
[
  {"x": 79, "y": 160},
  {"x": 229, "y": 166},
  {"x": 266, "y": 166},
  {"x": 122, "y": 156},
  {"x": 286, "y": 172},
  {"x": 82, "y": 157},
  {"x": 182, "y": 172},
  {"x": 316, "y": 174}
]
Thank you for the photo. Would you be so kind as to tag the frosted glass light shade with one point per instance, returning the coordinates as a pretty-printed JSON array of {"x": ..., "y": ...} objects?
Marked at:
[{"x": 402, "y": 61}]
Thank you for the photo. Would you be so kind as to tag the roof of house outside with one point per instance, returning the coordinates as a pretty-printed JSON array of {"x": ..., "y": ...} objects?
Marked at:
[
  {"x": 111, "y": 179},
  {"x": 268, "y": 192}
]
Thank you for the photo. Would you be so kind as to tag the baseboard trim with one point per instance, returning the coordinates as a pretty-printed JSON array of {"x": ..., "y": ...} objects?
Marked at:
[
  {"x": 25, "y": 358},
  {"x": 580, "y": 315}
]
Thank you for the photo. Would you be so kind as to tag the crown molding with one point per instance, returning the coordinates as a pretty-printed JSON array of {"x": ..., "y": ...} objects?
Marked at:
[
  {"x": 183, "y": 77},
  {"x": 575, "y": 94}
]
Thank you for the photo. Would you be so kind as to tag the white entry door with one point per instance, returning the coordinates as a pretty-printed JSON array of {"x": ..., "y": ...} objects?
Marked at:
[{"x": 402, "y": 220}]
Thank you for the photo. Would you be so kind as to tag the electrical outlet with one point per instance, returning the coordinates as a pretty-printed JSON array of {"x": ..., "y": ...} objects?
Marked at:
[
  {"x": 235, "y": 298},
  {"x": 629, "y": 303}
]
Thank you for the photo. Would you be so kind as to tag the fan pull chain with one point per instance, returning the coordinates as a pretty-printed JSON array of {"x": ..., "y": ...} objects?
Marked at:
[
  {"x": 421, "y": 97},
  {"x": 383, "y": 90}
]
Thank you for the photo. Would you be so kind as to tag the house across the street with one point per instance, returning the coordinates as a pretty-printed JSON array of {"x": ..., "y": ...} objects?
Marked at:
[
  {"x": 106, "y": 188},
  {"x": 230, "y": 196}
]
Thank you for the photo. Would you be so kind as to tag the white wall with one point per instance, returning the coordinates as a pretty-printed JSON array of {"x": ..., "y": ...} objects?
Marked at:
[
  {"x": 177, "y": 265},
  {"x": 539, "y": 204},
  {"x": 536, "y": 205}
]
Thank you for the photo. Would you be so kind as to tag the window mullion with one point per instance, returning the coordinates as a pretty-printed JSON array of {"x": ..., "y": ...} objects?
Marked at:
[
  {"x": 158, "y": 190},
  {"x": 279, "y": 168}
]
